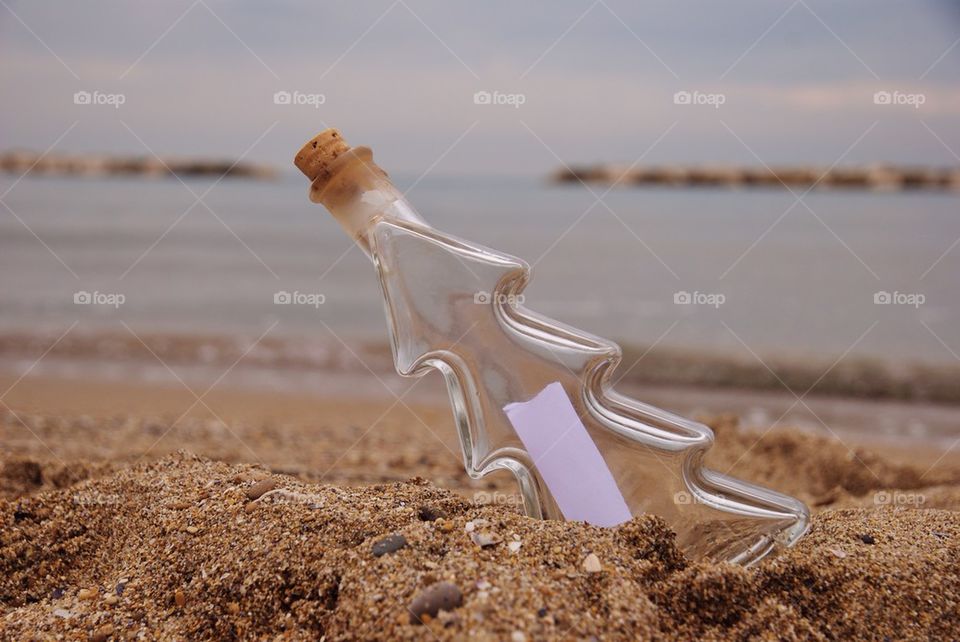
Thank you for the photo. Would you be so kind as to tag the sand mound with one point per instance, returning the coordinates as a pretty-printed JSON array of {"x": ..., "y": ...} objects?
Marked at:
[
  {"x": 177, "y": 549},
  {"x": 820, "y": 470}
]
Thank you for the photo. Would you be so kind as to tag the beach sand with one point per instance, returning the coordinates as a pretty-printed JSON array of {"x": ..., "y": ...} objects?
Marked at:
[{"x": 135, "y": 511}]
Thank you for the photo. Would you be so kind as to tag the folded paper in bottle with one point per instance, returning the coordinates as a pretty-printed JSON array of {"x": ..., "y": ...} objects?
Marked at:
[{"x": 568, "y": 460}]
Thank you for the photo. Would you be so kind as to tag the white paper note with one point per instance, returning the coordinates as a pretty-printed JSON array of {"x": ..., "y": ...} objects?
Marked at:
[{"x": 567, "y": 459}]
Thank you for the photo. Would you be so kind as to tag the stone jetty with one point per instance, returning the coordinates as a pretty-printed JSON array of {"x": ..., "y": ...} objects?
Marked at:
[
  {"x": 870, "y": 177},
  {"x": 21, "y": 162}
]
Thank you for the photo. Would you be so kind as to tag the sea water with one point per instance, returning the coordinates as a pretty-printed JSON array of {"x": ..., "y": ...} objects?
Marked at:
[{"x": 748, "y": 273}]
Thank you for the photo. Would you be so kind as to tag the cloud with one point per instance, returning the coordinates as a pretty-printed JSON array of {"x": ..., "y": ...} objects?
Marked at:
[{"x": 402, "y": 77}]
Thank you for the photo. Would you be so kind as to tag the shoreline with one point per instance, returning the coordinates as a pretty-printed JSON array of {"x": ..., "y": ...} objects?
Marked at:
[
  {"x": 116, "y": 367},
  {"x": 856, "y": 377},
  {"x": 317, "y": 434}
]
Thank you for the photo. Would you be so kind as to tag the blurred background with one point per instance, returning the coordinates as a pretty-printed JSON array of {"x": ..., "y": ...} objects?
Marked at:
[{"x": 831, "y": 309}]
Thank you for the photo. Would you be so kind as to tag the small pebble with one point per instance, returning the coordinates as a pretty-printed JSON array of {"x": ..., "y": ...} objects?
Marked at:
[
  {"x": 442, "y": 596},
  {"x": 447, "y": 618},
  {"x": 838, "y": 552},
  {"x": 591, "y": 563},
  {"x": 56, "y": 594},
  {"x": 88, "y": 593},
  {"x": 518, "y": 636},
  {"x": 514, "y": 546},
  {"x": 102, "y": 634},
  {"x": 485, "y": 539},
  {"x": 193, "y": 530},
  {"x": 389, "y": 544},
  {"x": 260, "y": 488},
  {"x": 868, "y": 539},
  {"x": 179, "y": 598},
  {"x": 62, "y": 613},
  {"x": 111, "y": 599},
  {"x": 474, "y": 524},
  {"x": 233, "y": 607}
]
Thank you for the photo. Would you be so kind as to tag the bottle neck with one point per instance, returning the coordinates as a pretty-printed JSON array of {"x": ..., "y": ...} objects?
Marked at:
[{"x": 359, "y": 194}]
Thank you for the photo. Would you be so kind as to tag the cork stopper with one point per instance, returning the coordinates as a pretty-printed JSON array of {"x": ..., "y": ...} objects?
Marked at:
[
  {"x": 316, "y": 157},
  {"x": 351, "y": 186}
]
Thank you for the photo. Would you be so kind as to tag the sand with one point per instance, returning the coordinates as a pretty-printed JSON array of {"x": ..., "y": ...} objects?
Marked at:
[{"x": 116, "y": 532}]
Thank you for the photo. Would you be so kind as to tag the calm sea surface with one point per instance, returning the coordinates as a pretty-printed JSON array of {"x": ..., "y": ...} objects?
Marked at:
[{"x": 795, "y": 284}]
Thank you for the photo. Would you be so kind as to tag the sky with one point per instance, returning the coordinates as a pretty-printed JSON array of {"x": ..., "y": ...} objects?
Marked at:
[{"x": 569, "y": 82}]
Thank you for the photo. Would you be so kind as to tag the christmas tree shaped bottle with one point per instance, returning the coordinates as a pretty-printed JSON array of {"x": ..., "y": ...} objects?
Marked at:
[{"x": 530, "y": 394}]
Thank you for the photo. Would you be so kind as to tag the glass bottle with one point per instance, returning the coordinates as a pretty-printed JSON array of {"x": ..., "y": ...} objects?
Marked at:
[{"x": 530, "y": 394}]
